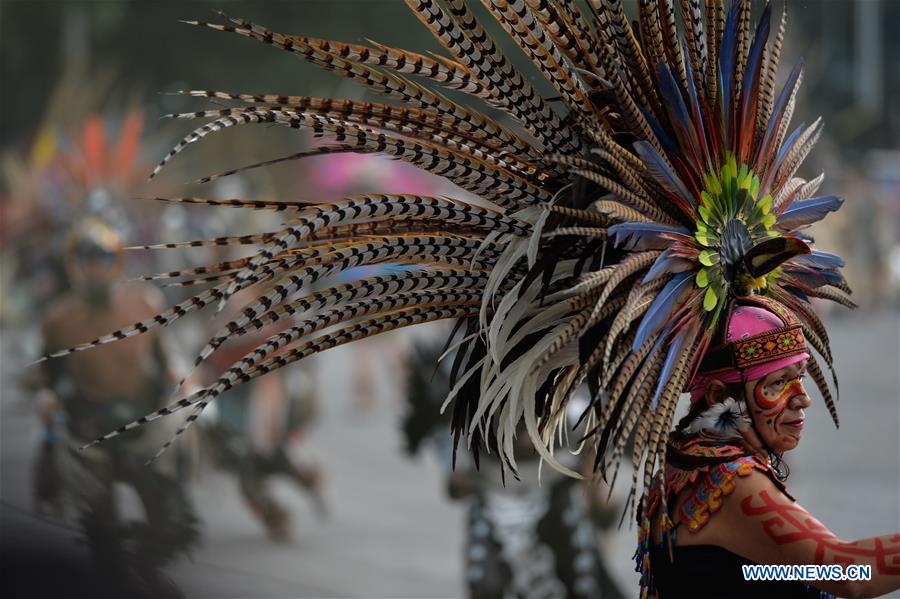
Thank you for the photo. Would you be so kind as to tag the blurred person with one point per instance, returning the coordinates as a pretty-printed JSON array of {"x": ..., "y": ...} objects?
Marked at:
[
  {"x": 79, "y": 161},
  {"x": 88, "y": 393},
  {"x": 874, "y": 213},
  {"x": 539, "y": 535},
  {"x": 258, "y": 432}
]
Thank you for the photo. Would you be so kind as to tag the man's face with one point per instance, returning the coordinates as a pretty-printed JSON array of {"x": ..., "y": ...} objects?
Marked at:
[
  {"x": 94, "y": 274},
  {"x": 777, "y": 403}
]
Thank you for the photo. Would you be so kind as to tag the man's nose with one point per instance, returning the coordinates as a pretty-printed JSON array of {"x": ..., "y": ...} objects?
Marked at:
[{"x": 800, "y": 399}]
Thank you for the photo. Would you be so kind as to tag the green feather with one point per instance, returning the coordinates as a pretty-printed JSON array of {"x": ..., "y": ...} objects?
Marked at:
[
  {"x": 702, "y": 278},
  {"x": 710, "y": 299},
  {"x": 707, "y": 258}
]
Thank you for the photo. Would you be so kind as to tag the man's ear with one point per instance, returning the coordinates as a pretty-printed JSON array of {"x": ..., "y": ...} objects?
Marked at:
[{"x": 715, "y": 392}]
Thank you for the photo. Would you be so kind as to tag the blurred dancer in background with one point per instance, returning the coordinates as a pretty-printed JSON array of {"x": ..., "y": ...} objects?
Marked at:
[
  {"x": 258, "y": 433},
  {"x": 533, "y": 537},
  {"x": 72, "y": 168},
  {"x": 85, "y": 394}
]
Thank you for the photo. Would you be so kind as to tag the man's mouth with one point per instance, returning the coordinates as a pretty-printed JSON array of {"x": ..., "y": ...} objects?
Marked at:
[{"x": 795, "y": 425}]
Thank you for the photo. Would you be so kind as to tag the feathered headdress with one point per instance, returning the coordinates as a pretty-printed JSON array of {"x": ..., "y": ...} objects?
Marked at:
[{"x": 626, "y": 215}]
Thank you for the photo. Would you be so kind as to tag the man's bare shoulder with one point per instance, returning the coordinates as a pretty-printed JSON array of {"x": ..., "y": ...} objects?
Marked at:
[{"x": 748, "y": 489}]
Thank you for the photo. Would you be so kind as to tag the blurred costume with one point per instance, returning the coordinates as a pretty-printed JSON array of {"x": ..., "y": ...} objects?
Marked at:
[
  {"x": 529, "y": 538},
  {"x": 94, "y": 393},
  {"x": 612, "y": 229},
  {"x": 255, "y": 456},
  {"x": 74, "y": 165},
  {"x": 524, "y": 538}
]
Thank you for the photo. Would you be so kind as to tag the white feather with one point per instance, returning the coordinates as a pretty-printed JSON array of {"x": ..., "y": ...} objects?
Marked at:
[{"x": 726, "y": 419}]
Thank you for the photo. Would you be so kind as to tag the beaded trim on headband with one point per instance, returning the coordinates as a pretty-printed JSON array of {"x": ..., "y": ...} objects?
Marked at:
[
  {"x": 769, "y": 346},
  {"x": 783, "y": 342},
  {"x": 765, "y": 347}
]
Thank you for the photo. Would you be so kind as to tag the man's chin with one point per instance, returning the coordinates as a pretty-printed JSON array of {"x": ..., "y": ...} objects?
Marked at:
[
  {"x": 789, "y": 441},
  {"x": 96, "y": 295}
]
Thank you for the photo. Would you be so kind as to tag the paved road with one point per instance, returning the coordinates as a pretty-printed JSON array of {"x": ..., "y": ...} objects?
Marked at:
[{"x": 391, "y": 533}]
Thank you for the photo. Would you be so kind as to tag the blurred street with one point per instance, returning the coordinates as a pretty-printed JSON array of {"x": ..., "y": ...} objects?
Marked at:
[{"x": 391, "y": 532}]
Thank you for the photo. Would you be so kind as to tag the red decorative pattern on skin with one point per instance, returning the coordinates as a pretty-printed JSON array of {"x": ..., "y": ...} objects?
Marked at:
[
  {"x": 775, "y": 406},
  {"x": 789, "y": 523}
]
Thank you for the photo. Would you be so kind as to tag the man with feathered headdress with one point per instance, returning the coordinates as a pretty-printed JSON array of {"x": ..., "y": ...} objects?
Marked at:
[{"x": 631, "y": 219}]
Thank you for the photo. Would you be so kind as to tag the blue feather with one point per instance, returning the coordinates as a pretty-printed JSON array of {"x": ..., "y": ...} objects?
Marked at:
[
  {"x": 751, "y": 71},
  {"x": 661, "y": 308},
  {"x": 643, "y": 236},
  {"x": 783, "y": 150},
  {"x": 812, "y": 278},
  {"x": 657, "y": 345},
  {"x": 665, "y": 141},
  {"x": 805, "y": 212},
  {"x": 727, "y": 60},
  {"x": 661, "y": 171},
  {"x": 825, "y": 260},
  {"x": 673, "y": 99},
  {"x": 832, "y": 276},
  {"x": 675, "y": 352},
  {"x": 794, "y": 290},
  {"x": 666, "y": 264}
]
